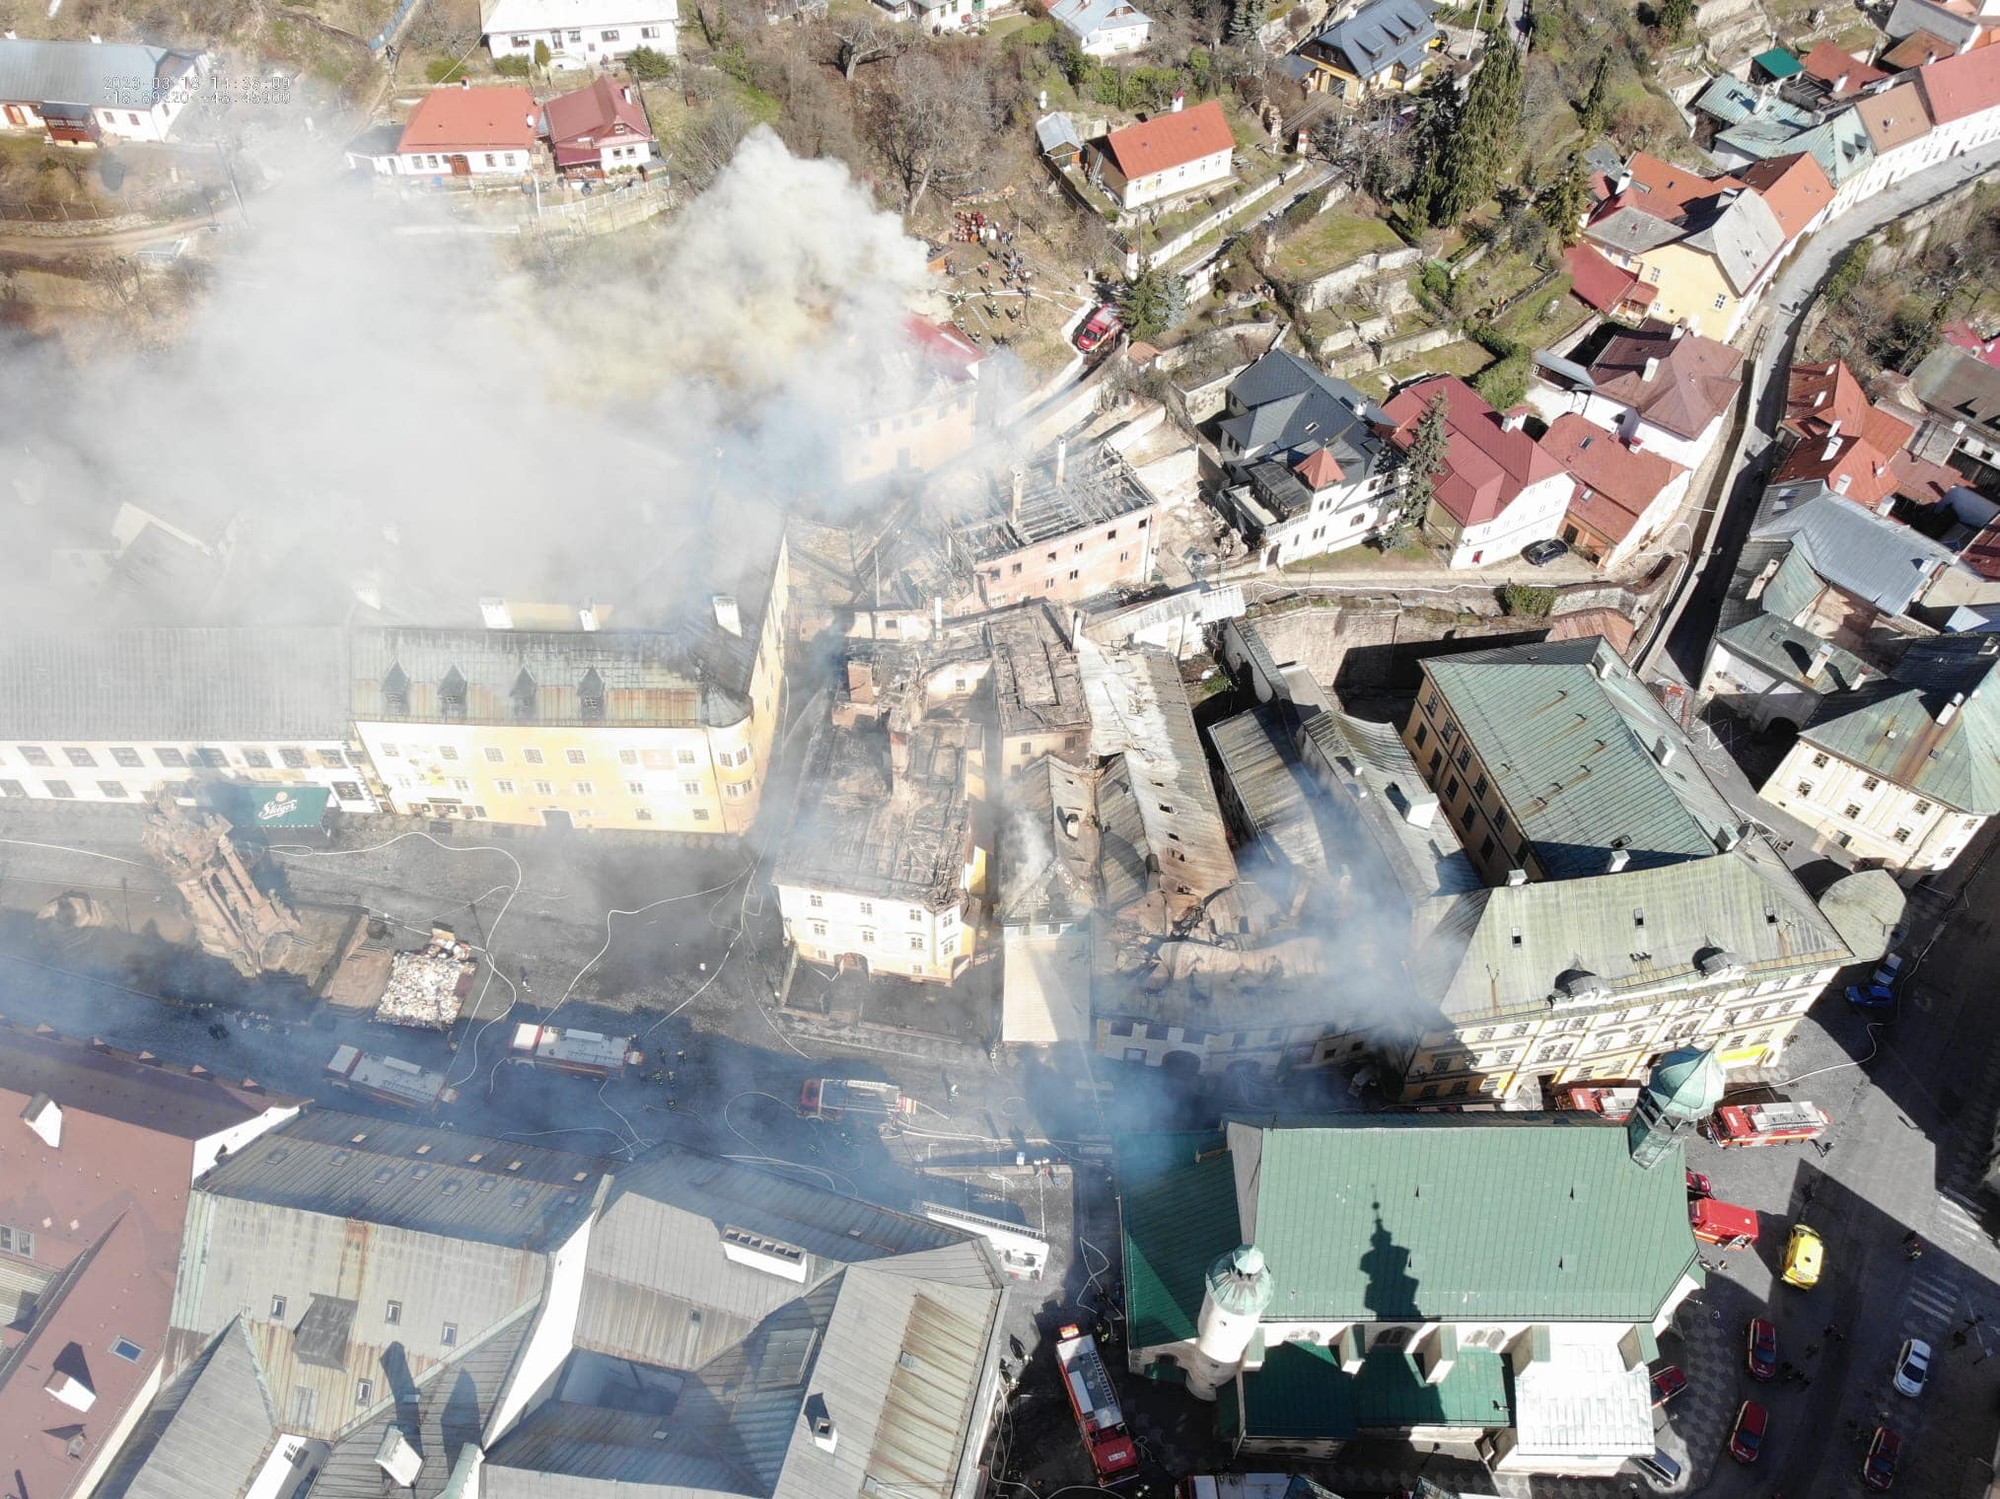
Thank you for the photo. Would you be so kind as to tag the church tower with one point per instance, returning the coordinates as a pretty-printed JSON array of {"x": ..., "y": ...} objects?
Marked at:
[{"x": 1684, "y": 1089}]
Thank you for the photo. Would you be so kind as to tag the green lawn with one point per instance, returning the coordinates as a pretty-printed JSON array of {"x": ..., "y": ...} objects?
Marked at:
[
  {"x": 1545, "y": 317},
  {"x": 1409, "y": 554},
  {"x": 1021, "y": 30},
  {"x": 1333, "y": 239}
]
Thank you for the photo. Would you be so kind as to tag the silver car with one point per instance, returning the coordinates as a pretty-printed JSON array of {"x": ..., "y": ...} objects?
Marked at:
[{"x": 1913, "y": 1367}]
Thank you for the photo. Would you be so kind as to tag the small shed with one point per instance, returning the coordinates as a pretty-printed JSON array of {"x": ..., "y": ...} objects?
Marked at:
[
  {"x": 1775, "y": 66},
  {"x": 1059, "y": 139}
]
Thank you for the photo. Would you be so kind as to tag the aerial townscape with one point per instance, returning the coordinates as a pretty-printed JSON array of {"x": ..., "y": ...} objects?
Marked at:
[{"x": 989, "y": 749}]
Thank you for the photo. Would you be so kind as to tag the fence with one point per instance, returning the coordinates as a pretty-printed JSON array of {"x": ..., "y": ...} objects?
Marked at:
[
  {"x": 604, "y": 212},
  {"x": 59, "y": 213}
]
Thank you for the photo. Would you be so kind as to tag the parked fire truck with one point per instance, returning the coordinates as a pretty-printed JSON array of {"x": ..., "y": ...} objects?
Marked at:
[
  {"x": 1099, "y": 1417},
  {"x": 1614, "y": 1102},
  {"x": 387, "y": 1079},
  {"x": 1724, "y": 1223},
  {"x": 833, "y": 1097},
  {"x": 1777, "y": 1123},
  {"x": 585, "y": 1052}
]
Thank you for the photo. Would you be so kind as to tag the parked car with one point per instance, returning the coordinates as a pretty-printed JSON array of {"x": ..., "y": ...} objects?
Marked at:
[
  {"x": 1746, "y": 1437},
  {"x": 1668, "y": 1383},
  {"x": 1542, "y": 553},
  {"x": 1913, "y": 1367},
  {"x": 1871, "y": 996},
  {"x": 1661, "y": 1469},
  {"x": 1699, "y": 1185},
  {"x": 1805, "y": 1256},
  {"x": 1105, "y": 324},
  {"x": 1891, "y": 969},
  {"x": 1878, "y": 1469},
  {"x": 1763, "y": 1348}
]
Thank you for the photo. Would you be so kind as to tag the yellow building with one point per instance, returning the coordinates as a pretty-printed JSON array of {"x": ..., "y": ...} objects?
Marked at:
[
  {"x": 1385, "y": 47},
  {"x": 667, "y": 730},
  {"x": 1706, "y": 265}
]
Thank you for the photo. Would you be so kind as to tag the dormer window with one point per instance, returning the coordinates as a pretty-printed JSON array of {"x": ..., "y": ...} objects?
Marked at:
[
  {"x": 591, "y": 692},
  {"x": 396, "y": 692},
  {"x": 523, "y": 697},
  {"x": 451, "y": 695}
]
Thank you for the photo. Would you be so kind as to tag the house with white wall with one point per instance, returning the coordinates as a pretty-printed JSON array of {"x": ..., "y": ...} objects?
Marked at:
[
  {"x": 1173, "y": 153},
  {"x": 1625, "y": 496},
  {"x": 1498, "y": 491},
  {"x": 1660, "y": 387},
  {"x": 1962, "y": 94},
  {"x": 579, "y": 33},
  {"x": 1103, "y": 28},
  {"x": 85, "y": 93},
  {"x": 471, "y": 132}
]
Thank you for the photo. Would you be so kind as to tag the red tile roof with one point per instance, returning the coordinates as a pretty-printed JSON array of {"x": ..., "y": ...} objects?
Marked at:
[
  {"x": 1615, "y": 482},
  {"x": 952, "y": 352},
  {"x": 1795, "y": 188},
  {"x": 1916, "y": 49},
  {"x": 1894, "y": 117},
  {"x": 1842, "y": 437},
  {"x": 1319, "y": 469},
  {"x": 1962, "y": 335},
  {"x": 1921, "y": 480},
  {"x": 1600, "y": 284},
  {"x": 581, "y": 122},
  {"x": 1170, "y": 140},
  {"x": 1661, "y": 188},
  {"x": 474, "y": 119},
  {"x": 1956, "y": 87},
  {"x": 1982, "y": 553},
  {"x": 1691, "y": 384},
  {"x": 1486, "y": 466},
  {"x": 1830, "y": 65}
]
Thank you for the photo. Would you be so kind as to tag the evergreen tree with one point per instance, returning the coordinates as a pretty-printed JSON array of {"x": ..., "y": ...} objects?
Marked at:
[
  {"x": 1566, "y": 202},
  {"x": 1465, "y": 144},
  {"x": 1421, "y": 464},
  {"x": 1675, "y": 18},
  {"x": 1595, "y": 111},
  {"x": 1246, "y": 20},
  {"x": 1145, "y": 304}
]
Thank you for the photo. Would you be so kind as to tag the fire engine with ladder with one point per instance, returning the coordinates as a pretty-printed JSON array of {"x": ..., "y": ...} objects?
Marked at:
[{"x": 1099, "y": 1416}]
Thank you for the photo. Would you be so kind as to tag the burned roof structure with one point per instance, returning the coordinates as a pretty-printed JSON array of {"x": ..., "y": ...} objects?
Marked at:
[
  {"x": 1073, "y": 494},
  {"x": 1037, "y": 685}
]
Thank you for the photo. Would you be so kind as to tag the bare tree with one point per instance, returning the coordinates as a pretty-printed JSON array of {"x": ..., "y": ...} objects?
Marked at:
[
  {"x": 863, "y": 38},
  {"x": 934, "y": 125},
  {"x": 447, "y": 27},
  {"x": 706, "y": 143}
]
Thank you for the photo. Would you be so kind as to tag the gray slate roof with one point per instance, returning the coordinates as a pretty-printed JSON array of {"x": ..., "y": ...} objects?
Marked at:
[
  {"x": 1954, "y": 384},
  {"x": 1284, "y": 402},
  {"x": 1923, "y": 15},
  {"x": 1568, "y": 735},
  {"x": 1634, "y": 231},
  {"x": 1864, "y": 554},
  {"x": 1382, "y": 35},
  {"x": 1742, "y": 234},
  {"x": 119, "y": 75},
  {"x": 174, "y": 684},
  {"x": 1786, "y": 651},
  {"x": 1254, "y": 749},
  {"x": 206, "y": 1434}
]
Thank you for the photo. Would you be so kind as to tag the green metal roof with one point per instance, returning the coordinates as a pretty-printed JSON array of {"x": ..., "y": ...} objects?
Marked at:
[
  {"x": 1688, "y": 1081},
  {"x": 1567, "y": 734},
  {"x": 1787, "y": 652},
  {"x": 1416, "y": 1217},
  {"x": 1300, "y": 1394},
  {"x": 1892, "y": 728},
  {"x": 1179, "y": 1215},
  {"x": 1779, "y": 63}
]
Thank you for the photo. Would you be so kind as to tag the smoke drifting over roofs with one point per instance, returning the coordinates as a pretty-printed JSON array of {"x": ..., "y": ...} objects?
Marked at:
[{"x": 361, "y": 406}]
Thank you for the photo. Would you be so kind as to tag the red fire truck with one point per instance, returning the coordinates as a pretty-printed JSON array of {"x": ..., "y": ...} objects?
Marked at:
[
  {"x": 1781, "y": 1123},
  {"x": 1099, "y": 1417},
  {"x": 1614, "y": 1101},
  {"x": 836, "y": 1097},
  {"x": 1724, "y": 1223}
]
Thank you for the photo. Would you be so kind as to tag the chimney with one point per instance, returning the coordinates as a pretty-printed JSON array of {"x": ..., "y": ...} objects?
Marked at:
[
  {"x": 1950, "y": 710},
  {"x": 589, "y": 618},
  {"x": 726, "y": 613},
  {"x": 1680, "y": 329},
  {"x": 1071, "y": 821},
  {"x": 96, "y": 40},
  {"x": 1886, "y": 504},
  {"x": 1618, "y": 860},
  {"x": 1421, "y": 810},
  {"x": 44, "y": 1116},
  {"x": 1062, "y": 458},
  {"x": 1663, "y": 751},
  {"x": 1652, "y": 369},
  {"x": 820, "y": 1420},
  {"x": 1840, "y": 85},
  {"x": 627, "y": 92},
  {"x": 396, "y": 1457},
  {"x": 1510, "y": 421},
  {"x": 1841, "y": 483},
  {"x": 493, "y": 613},
  {"x": 1727, "y": 838},
  {"x": 465, "y": 83},
  {"x": 1180, "y": 101},
  {"x": 1822, "y": 654},
  {"x": 1516, "y": 878}
]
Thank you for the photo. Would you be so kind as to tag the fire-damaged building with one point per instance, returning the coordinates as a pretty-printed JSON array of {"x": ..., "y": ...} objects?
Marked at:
[
  {"x": 932, "y": 406},
  {"x": 1037, "y": 688},
  {"x": 1074, "y": 530},
  {"x": 884, "y": 868},
  {"x": 664, "y": 729}
]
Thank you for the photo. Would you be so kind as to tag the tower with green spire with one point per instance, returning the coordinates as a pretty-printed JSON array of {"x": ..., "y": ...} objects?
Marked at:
[{"x": 1684, "y": 1089}]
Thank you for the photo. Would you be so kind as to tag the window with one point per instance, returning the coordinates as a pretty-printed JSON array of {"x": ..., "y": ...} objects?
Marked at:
[
  {"x": 608, "y": 36},
  {"x": 212, "y": 757},
  {"x": 1902, "y": 835},
  {"x": 1805, "y": 788},
  {"x": 505, "y": 788},
  {"x": 173, "y": 759},
  {"x": 256, "y": 759},
  {"x": 532, "y": 756},
  {"x": 129, "y": 758},
  {"x": 545, "y": 788},
  {"x": 331, "y": 759},
  {"x": 691, "y": 788},
  {"x": 1479, "y": 786},
  {"x": 574, "y": 756},
  {"x": 17, "y": 1241},
  {"x": 113, "y": 789},
  {"x": 389, "y": 752},
  {"x": 1486, "y": 849},
  {"x": 293, "y": 756},
  {"x": 735, "y": 790},
  {"x": 449, "y": 1337},
  {"x": 1819, "y": 762},
  {"x": 1922, "y": 808},
  {"x": 868, "y": 938},
  {"x": 364, "y": 1393},
  {"x": 348, "y": 791},
  {"x": 916, "y": 944},
  {"x": 1871, "y": 783},
  {"x": 685, "y": 757},
  {"x": 649, "y": 33},
  {"x": 393, "y": 1314},
  {"x": 60, "y": 788},
  {"x": 636, "y": 788},
  {"x": 489, "y": 158},
  {"x": 1073, "y": 575},
  {"x": 277, "y": 1308},
  {"x": 628, "y": 757},
  {"x": 868, "y": 908},
  {"x": 816, "y": 901},
  {"x": 1721, "y": 300},
  {"x": 586, "y": 788},
  {"x": 34, "y": 754},
  {"x": 819, "y": 928},
  {"x": 701, "y": 814},
  {"x": 495, "y": 756},
  {"x": 915, "y": 914},
  {"x": 1423, "y": 734},
  {"x": 1851, "y": 811},
  {"x": 447, "y": 752}
]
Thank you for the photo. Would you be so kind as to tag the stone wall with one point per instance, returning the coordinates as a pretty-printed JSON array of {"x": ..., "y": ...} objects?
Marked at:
[{"x": 1323, "y": 291}]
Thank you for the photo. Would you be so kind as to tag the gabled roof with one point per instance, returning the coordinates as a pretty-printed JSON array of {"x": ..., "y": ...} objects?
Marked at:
[
  {"x": 1285, "y": 402},
  {"x": 1839, "y": 143},
  {"x": 1381, "y": 35},
  {"x": 206, "y": 1434},
  {"x": 1916, "y": 49},
  {"x": 1843, "y": 439},
  {"x": 501, "y": 118},
  {"x": 1486, "y": 466},
  {"x": 1319, "y": 470},
  {"x": 1732, "y": 101},
  {"x": 1876, "y": 560},
  {"x": 1740, "y": 232},
  {"x": 1615, "y": 482},
  {"x": 1661, "y": 187},
  {"x": 1693, "y": 383},
  {"x": 1600, "y": 284},
  {"x": 1054, "y": 131},
  {"x": 1170, "y": 140},
  {"x": 1085, "y": 17},
  {"x": 120, "y": 75},
  {"x": 134, "y": 1090},
  {"x": 1955, "y": 87},
  {"x": 1794, "y": 187},
  {"x": 1831, "y": 66},
  {"x": 1933, "y": 728},
  {"x": 1050, "y": 864},
  {"x": 1956, "y": 26},
  {"x": 1254, "y": 751},
  {"x": 1788, "y": 652},
  {"x": 1894, "y": 117},
  {"x": 582, "y": 121},
  {"x": 1959, "y": 385},
  {"x": 1779, "y": 62}
]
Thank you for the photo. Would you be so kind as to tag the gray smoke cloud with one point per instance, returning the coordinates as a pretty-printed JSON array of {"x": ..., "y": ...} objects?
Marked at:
[{"x": 371, "y": 400}]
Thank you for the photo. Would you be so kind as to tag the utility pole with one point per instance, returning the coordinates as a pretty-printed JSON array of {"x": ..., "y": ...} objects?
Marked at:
[{"x": 229, "y": 166}]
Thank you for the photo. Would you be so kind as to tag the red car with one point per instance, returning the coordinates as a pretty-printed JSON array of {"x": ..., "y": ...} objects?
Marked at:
[
  {"x": 1699, "y": 1185},
  {"x": 1746, "y": 1437},
  {"x": 1763, "y": 1348},
  {"x": 1668, "y": 1383},
  {"x": 1105, "y": 324},
  {"x": 1878, "y": 1471}
]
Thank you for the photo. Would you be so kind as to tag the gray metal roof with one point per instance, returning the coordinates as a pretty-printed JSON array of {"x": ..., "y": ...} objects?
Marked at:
[
  {"x": 1740, "y": 231},
  {"x": 1794, "y": 589},
  {"x": 1922, "y": 15},
  {"x": 1049, "y": 865},
  {"x": 1570, "y": 737},
  {"x": 1959, "y": 387},
  {"x": 1055, "y": 130},
  {"x": 117, "y": 1085},
  {"x": 174, "y": 684},
  {"x": 1383, "y": 781},
  {"x": 1840, "y": 144},
  {"x": 1254, "y": 749},
  {"x": 1732, "y": 101},
  {"x": 1861, "y": 553},
  {"x": 1633, "y": 230},
  {"x": 113, "y": 75},
  {"x": 1284, "y": 402},
  {"x": 1909, "y": 730},
  {"x": 1787, "y": 652},
  {"x": 207, "y": 1432},
  {"x": 1382, "y": 35}
]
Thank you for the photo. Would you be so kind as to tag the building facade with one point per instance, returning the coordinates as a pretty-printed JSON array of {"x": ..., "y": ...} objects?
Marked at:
[
  {"x": 86, "y": 93},
  {"x": 1498, "y": 492},
  {"x": 1179, "y": 152},
  {"x": 1076, "y": 530},
  {"x": 579, "y": 33}
]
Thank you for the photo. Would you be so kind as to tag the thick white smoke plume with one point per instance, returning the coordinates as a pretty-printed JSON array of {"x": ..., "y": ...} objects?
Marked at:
[{"x": 413, "y": 415}]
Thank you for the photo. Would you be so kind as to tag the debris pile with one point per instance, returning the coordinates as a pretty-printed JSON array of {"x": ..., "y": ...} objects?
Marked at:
[{"x": 426, "y": 988}]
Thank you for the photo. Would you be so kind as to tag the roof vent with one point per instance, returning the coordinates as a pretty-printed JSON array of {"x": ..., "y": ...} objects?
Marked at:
[
  {"x": 43, "y": 1115},
  {"x": 772, "y": 1256},
  {"x": 495, "y": 615},
  {"x": 399, "y": 1459},
  {"x": 727, "y": 614},
  {"x": 71, "y": 1389},
  {"x": 1727, "y": 838},
  {"x": 1652, "y": 370},
  {"x": 1516, "y": 877},
  {"x": 1718, "y": 963},
  {"x": 820, "y": 1419},
  {"x": 1618, "y": 860},
  {"x": 1663, "y": 751},
  {"x": 1945, "y": 715}
]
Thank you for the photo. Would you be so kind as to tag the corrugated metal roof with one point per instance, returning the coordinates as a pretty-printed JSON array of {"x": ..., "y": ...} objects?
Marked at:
[
  {"x": 1301, "y": 1394},
  {"x": 1365, "y": 1217},
  {"x": 1569, "y": 737},
  {"x": 1383, "y": 783},
  {"x": 206, "y": 1434},
  {"x": 1787, "y": 652},
  {"x": 1274, "y": 794},
  {"x": 1178, "y": 1215},
  {"x": 116, "y": 75},
  {"x": 174, "y": 684}
]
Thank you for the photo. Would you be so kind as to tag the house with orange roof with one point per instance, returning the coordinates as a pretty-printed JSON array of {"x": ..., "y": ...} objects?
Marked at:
[
  {"x": 1660, "y": 387},
  {"x": 1499, "y": 492},
  {"x": 1916, "y": 50},
  {"x": 1963, "y": 96},
  {"x": 1625, "y": 495},
  {"x": 1898, "y": 122},
  {"x": 1842, "y": 75},
  {"x": 1178, "y": 152},
  {"x": 1839, "y": 437},
  {"x": 1796, "y": 189},
  {"x": 471, "y": 132}
]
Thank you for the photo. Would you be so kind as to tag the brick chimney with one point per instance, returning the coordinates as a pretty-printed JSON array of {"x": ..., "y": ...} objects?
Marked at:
[{"x": 1652, "y": 370}]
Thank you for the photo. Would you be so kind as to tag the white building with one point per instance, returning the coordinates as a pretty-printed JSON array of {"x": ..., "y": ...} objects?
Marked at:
[
  {"x": 471, "y": 132},
  {"x": 1103, "y": 28},
  {"x": 1170, "y": 154},
  {"x": 1661, "y": 388},
  {"x": 579, "y": 33},
  {"x": 83, "y": 93},
  {"x": 1498, "y": 492},
  {"x": 1962, "y": 94},
  {"x": 935, "y": 16}
]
